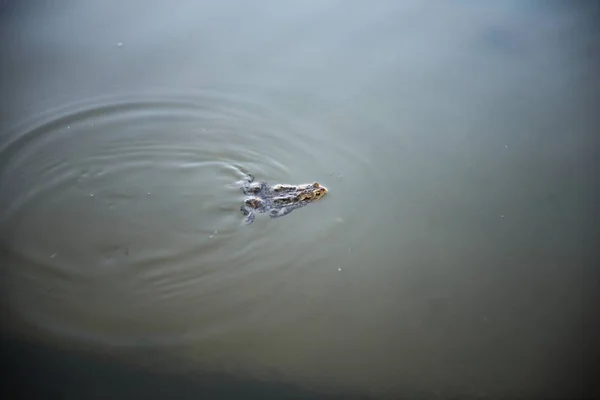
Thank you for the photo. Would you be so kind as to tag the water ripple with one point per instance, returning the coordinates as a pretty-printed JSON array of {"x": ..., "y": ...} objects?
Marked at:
[{"x": 127, "y": 210}]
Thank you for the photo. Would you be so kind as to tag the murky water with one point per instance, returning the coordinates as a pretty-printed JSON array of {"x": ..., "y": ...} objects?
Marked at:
[{"x": 451, "y": 256}]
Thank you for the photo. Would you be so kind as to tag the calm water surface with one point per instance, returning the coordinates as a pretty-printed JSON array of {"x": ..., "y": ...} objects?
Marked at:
[{"x": 452, "y": 255}]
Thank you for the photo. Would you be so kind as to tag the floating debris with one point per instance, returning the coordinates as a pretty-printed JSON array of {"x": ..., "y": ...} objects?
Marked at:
[
  {"x": 53, "y": 255},
  {"x": 336, "y": 175},
  {"x": 213, "y": 234},
  {"x": 120, "y": 44}
]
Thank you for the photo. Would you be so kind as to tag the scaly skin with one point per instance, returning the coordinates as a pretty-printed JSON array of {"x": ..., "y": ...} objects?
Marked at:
[{"x": 277, "y": 200}]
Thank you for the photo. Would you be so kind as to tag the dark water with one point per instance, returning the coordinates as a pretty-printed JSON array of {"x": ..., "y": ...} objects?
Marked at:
[{"x": 453, "y": 255}]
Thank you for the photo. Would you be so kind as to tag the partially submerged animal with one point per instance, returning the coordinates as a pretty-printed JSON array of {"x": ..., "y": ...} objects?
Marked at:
[{"x": 277, "y": 200}]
